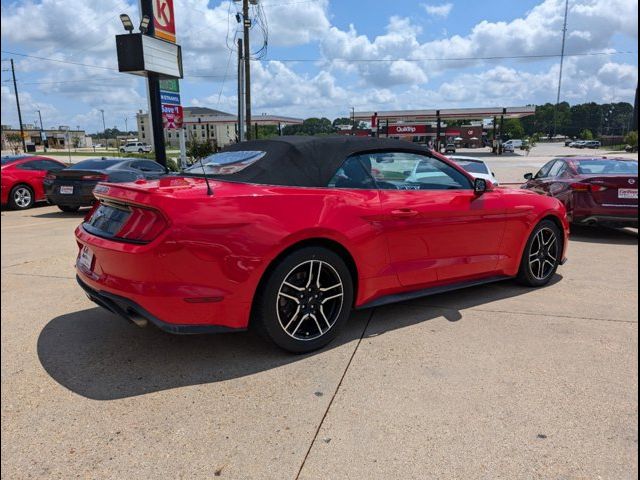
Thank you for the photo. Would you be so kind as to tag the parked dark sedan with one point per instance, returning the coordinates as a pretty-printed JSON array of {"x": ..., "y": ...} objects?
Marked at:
[
  {"x": 72, "y": 188},
  {"x": 594, "y": 190}
]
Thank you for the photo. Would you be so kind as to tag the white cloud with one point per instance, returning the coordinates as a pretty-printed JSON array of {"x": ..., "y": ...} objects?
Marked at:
[{"x": 442, "y": 10}]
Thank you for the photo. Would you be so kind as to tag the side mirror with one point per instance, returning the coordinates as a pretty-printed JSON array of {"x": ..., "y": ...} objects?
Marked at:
[
  {"x": 528, "y": 176},
  {"x": 480, "y": 186},
  {"x": 406, "y": 173}
]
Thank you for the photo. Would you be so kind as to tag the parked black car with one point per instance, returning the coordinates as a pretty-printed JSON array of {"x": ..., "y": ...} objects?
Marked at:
[{"x": 72, "y": 188}]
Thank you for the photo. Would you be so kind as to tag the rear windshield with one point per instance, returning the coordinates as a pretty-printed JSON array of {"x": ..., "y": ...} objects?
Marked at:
[
  {"x": 607, "y": 167},
  {"x": 98, "y": 163},
  {"x": 471, "y": 166},
  {"x": 225, "y": 163},
  {"x": 11, "y": 158}
]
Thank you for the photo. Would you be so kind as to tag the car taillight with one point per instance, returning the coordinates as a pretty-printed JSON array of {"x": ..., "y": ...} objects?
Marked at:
[
  {"x": 587, "y": 187},
  {"x": 95, "y": 177},
  {"x": 142, "y": 225},
  {"x": 50, "y": 176},
  {"x": 94, "y": 207}
]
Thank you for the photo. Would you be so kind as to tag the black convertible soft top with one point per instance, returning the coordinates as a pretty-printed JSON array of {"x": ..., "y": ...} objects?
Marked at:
[{"x": 307, "y": 161}]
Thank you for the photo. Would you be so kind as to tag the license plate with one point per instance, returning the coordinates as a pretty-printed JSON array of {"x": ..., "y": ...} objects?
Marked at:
[
  {"x": 85, "y": 260},
  {"x": 630, "y": 193},
  {"x": 66, "y": 190}
]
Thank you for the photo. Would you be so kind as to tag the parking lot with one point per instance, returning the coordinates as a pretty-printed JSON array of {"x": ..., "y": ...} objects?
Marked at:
[{"x": 497, "y": 381}]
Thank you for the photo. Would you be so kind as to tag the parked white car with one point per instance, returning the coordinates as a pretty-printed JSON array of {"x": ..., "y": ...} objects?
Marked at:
[
  {"x": 135, "y": 147},
  {"x": 476, "y": 167}
]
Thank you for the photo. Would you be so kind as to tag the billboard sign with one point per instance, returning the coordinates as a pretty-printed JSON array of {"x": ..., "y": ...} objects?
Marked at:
[
  {"x": 172, "y": 117},
  {"x": 169, "y": 98},
  {"x": 164, "y": 22}
]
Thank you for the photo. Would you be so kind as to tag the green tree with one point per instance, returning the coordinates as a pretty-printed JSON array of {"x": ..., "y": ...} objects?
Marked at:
[
  {"x": 513, "y": 128},
  {"x": 198, "y": 150},
  {"x": 342, "y": 121},
  {"x": 13, "y": 141},
  {"x": 586, "y": 134},
  {"x": 631, "y": 138},
  {"x": 311, "y": 126}
]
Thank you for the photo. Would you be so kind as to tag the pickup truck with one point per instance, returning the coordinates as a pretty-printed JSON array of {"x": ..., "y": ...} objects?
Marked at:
[{"x": 135, "y": 147}]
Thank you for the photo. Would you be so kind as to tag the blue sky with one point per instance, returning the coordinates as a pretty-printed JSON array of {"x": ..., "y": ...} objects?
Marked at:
[{"x": 373, "y": 55}]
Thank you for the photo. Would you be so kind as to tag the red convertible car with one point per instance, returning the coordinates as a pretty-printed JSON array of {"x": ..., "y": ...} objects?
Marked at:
[
  {"x": 22, "y": 179},
  {"x": 288, "y": 235},
  {"x": 597, "y": 190}
]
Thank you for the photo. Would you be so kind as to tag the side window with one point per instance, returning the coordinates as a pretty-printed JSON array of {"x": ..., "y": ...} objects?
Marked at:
[
  {"x": 147, "y": 166},
  {"x": 50, "y": 165},
  {"x": 353, "y": 174},
  {"x": 33, "y": 165},
  {"x": 544, "y": 171},
  {"x": 411, "y": 171},
  {"x": 557, "y": 169}
]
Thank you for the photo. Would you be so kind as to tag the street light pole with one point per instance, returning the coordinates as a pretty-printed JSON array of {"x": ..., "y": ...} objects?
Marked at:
[
  {"x": 104, "y": 131},
  {"x": 44, "y": 145},
  {"x": 564, "y": 35}
]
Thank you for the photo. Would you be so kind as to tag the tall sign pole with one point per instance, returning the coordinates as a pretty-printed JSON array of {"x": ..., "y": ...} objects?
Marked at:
[
  {"x": 246, "y": 23},
  {"x": 153, "y": 83},
  {"x": 15, "y": 88}
]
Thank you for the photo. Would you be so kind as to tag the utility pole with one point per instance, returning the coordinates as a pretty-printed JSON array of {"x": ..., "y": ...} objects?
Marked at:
[
  {"x": 564, "y": 35},
  {"x": 240, "y": 92},
  {"x": 246, "y": 23},
  {"x": 104, "y": 131},
  {"x": 44, "y": 145},
  {"x": 15, "y": 87}
]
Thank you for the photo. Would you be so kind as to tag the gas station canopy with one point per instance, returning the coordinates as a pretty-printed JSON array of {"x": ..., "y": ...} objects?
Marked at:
[{"x": 406, "y": 116}]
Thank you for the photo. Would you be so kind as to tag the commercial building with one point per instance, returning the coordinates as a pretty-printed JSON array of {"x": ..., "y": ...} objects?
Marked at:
[
  {"x": 206, "y": 125},
  {"x": 61, "y": 137}
]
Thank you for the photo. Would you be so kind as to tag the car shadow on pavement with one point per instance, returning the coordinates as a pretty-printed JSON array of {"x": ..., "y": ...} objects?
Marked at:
[
  {"x": 100, "y": 356},
  {"x": 614, "y": 236},
  {"x": 60, "y": 214}
]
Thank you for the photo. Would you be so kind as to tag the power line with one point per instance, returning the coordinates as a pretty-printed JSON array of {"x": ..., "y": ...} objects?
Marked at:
[
  {"x": 447, "y": 59},
  {"x": 47, "y": 59}
]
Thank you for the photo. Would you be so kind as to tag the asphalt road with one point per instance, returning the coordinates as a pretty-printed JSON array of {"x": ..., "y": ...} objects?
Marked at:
[{"x": 491, "y": 382}]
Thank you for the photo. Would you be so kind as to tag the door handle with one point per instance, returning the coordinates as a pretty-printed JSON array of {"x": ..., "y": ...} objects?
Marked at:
[{"x": 404, "y": 213}]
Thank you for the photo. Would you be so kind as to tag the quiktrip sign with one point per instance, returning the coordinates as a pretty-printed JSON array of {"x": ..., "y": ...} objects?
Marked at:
[{"x": 164, "y": 23}]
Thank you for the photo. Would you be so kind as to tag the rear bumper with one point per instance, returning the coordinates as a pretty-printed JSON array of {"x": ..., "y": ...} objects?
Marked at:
[
  {"x": 170, "y": 284},
  {"x": 129, "y": 310},
  {"x": 631, "y": 221},
  {"x": 82, "y": 196}
]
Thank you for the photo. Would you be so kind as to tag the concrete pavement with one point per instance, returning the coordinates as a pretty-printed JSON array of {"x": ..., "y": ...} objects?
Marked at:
[{"x": 497, "y": 381}]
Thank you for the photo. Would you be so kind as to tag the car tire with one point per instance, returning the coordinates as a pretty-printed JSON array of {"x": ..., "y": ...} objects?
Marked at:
[
  {"x": 140, "y": 150},
  {"x": 542, "y": 255},
  {"x": 122, "y": 150},
  {"x": 305, "y": 300},
  {"x": 21, "y": 197},
  {"x": 68, "y": 209}
]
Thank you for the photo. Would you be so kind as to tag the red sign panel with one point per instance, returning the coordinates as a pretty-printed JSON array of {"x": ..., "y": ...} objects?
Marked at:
[
  {"x": 164, "y": 22},
  {"x": 407, "y": 130},
  {"x": 172, "y": 117}
]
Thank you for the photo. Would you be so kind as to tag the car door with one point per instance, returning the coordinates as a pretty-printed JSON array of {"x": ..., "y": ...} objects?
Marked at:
[
  {"x": 538, "y": 182},
  {"x": 437, "y": 228}
]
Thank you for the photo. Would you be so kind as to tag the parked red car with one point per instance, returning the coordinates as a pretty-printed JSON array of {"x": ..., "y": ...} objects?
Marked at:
[
  {"x": 288, "y": 235},
  {"x": 594, "y": 190},
  {"x": 22, "y": 177}
]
